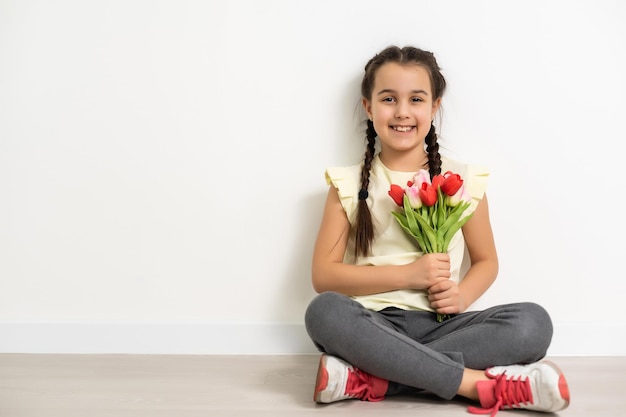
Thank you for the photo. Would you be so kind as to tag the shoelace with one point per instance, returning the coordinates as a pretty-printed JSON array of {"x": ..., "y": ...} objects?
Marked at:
[
  {"x": 509, "y": 393},
  {"x": 359, "y": 386}
]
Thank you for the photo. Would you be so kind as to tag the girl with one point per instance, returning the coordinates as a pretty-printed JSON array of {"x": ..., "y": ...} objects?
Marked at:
[{"x": 374, "y": 317}]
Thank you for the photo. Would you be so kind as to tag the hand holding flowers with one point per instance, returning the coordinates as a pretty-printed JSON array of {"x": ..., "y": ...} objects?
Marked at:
[{"x": 432, "y": 211}]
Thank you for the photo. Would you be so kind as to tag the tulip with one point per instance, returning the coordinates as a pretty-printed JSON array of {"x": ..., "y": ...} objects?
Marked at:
[
  {"x": 397, "y": 194},
  {"x": 421, "y": 177},
  {"x": 428, "y": 194},
  {"x": 437, "y": 181},
  {"x": 412, "y": 194},
  {"x": 451, "y": 183},
  {"x": 460, "y": 196},
  {"x": 433, "y": 210}
]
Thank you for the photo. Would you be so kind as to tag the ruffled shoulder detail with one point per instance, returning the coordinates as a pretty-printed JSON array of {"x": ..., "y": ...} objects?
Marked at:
[
  {"x": 475, "y": 178},
  {"x": 346, "y": 181},
  {"x": 478, "y": 177}
]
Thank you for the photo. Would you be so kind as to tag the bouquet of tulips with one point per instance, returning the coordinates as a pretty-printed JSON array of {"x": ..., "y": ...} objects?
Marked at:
[{"x": 432, "y": 210}]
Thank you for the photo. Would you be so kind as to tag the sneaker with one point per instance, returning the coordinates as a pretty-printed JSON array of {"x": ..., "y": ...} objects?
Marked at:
[
  {"x": 539, "y": 387},
  {"x": 337, "y": 380}
]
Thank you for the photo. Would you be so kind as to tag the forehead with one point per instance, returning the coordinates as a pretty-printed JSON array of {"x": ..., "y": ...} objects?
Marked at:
[{"x": 402, "y": 77}]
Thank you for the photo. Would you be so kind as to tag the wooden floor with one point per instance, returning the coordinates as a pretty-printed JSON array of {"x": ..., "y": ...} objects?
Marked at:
[{"x": 240, "y": 386}]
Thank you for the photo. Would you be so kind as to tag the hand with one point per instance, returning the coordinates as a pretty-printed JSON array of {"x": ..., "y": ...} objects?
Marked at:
[
  {"x": 428, "y": 270},
  {"x": 445, "y": 298}
]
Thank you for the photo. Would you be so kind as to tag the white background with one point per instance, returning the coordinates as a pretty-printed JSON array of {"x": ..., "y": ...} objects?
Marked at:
[{"x": 161, "y": 162}]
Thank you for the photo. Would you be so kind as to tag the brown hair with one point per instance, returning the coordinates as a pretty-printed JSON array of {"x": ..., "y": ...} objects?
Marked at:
[{"x": 406, "y": 56}]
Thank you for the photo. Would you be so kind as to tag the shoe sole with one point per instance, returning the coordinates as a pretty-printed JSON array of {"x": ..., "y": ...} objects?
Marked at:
[{"x": 321, "y": 382}]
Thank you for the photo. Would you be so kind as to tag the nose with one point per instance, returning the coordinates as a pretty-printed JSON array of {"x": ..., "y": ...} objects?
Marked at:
[{"x": 402, "y": 110}]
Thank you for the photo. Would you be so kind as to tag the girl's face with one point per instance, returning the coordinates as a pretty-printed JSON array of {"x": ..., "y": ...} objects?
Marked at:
[{"x": 402, "y": 108}]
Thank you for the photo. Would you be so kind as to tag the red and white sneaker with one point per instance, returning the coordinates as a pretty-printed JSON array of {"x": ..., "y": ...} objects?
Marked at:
[
  {"x": 337, "y": 380},
  {"x": 539, "y": 387}
]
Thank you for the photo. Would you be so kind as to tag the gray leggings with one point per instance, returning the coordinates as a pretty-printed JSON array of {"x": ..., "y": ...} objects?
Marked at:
[{"x": 410, "y": 349}]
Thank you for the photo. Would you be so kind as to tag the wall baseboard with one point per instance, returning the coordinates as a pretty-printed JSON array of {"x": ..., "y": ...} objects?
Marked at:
[{"x": 571, "y": 339}]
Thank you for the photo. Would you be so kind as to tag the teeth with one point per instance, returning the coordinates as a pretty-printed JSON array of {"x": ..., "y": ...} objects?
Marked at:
[{"x": 402, "y": 128}]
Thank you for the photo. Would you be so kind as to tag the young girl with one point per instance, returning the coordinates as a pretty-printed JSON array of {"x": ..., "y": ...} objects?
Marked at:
[{"x": 374, "y": 317}]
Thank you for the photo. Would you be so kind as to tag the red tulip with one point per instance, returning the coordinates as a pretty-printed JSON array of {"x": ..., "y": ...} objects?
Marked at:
[
  {"x": 397, "y": 193},
  {"x": 437, "y": 181},
  {"x": 428, "y": 194},
  {"x": 451, "y": 183}
]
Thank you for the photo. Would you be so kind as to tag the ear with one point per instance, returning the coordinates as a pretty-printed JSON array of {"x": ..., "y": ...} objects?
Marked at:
[
  {"x": 436, "y": 105},
  {"x": 367, "y": 106}
]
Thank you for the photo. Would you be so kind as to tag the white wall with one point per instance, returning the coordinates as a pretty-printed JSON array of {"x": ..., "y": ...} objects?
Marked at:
[{"x": 161, "y": 162}]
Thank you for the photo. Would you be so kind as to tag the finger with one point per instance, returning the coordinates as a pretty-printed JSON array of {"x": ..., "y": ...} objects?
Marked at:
[
  {"x": 444, "y": 273},
  {"x": 445, "y": 310},
  {"x": 441, "y": 264},
  {"x": 439, "y": 297},
  {"x": 442, "y": 255},
  {"x": 441, "y": 286},
  {"x": 442, "y": 306}
]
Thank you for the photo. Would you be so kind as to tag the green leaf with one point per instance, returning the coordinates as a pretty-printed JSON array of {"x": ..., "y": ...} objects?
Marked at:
[
  {"x": 410, "y": 216},
  {"x": 430, "y": 238},
  {"x": 401, "y": 218},
  {"x": 440, "y": 240},
  {"x": 455, "y": 215},
  {"x": 441, "y": 208},
  {"x": 453, "y": 229}
]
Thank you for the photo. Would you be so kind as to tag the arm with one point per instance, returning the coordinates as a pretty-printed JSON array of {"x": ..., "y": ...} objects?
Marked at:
[
  {"x": 447, "y": 297},
  {"x": 483, "y": 255},
  {"x": 329, "y": 273}
]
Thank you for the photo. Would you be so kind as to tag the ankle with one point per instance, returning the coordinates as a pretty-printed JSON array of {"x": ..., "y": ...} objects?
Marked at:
[{"x": 468, "y": 387}]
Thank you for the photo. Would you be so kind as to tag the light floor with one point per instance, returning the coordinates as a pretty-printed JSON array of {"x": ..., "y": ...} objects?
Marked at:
[{"x": 241, "y": 386}]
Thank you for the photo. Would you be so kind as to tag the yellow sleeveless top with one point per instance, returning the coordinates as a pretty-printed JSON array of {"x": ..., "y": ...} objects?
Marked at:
[{"x": 392, "y": 245}]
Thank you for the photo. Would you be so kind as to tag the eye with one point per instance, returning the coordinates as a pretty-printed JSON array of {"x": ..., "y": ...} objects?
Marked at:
[
  {"x": 388, "y": 99},
  {"x": 416, "y": 99}
]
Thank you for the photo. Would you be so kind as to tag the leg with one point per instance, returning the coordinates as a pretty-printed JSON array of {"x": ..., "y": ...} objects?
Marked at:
[
  {"x": 341, "y": 327},
  {"x": 502, "y": 335},
  {"x": 377, "y": 344}
]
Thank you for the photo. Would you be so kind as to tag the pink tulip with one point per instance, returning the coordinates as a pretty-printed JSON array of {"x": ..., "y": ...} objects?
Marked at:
[
  {"x": 460, "y": 196},
  {"x": 422, "y": 176},
  {"x": 413, "y": 195}
]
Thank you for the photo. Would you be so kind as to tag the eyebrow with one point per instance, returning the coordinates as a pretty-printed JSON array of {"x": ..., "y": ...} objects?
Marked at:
[{"x": 388, "y": 90}]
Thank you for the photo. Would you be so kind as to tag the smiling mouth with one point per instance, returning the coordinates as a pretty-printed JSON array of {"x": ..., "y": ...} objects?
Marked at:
[{"x": 402, "y": 128}]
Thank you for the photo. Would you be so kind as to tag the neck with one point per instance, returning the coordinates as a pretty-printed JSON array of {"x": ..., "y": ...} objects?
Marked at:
[{"x": 404, "y": 161}]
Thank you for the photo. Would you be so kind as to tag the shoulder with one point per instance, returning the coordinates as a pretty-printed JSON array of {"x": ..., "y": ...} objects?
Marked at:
[
  {"x": 349, "y": 172},
  {"x": 346, "y": 180}
]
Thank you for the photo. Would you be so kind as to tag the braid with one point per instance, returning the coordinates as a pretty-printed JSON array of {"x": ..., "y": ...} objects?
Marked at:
[
  {"x": 432, "y": 148},
  {"x": 364, "y": 225}
]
